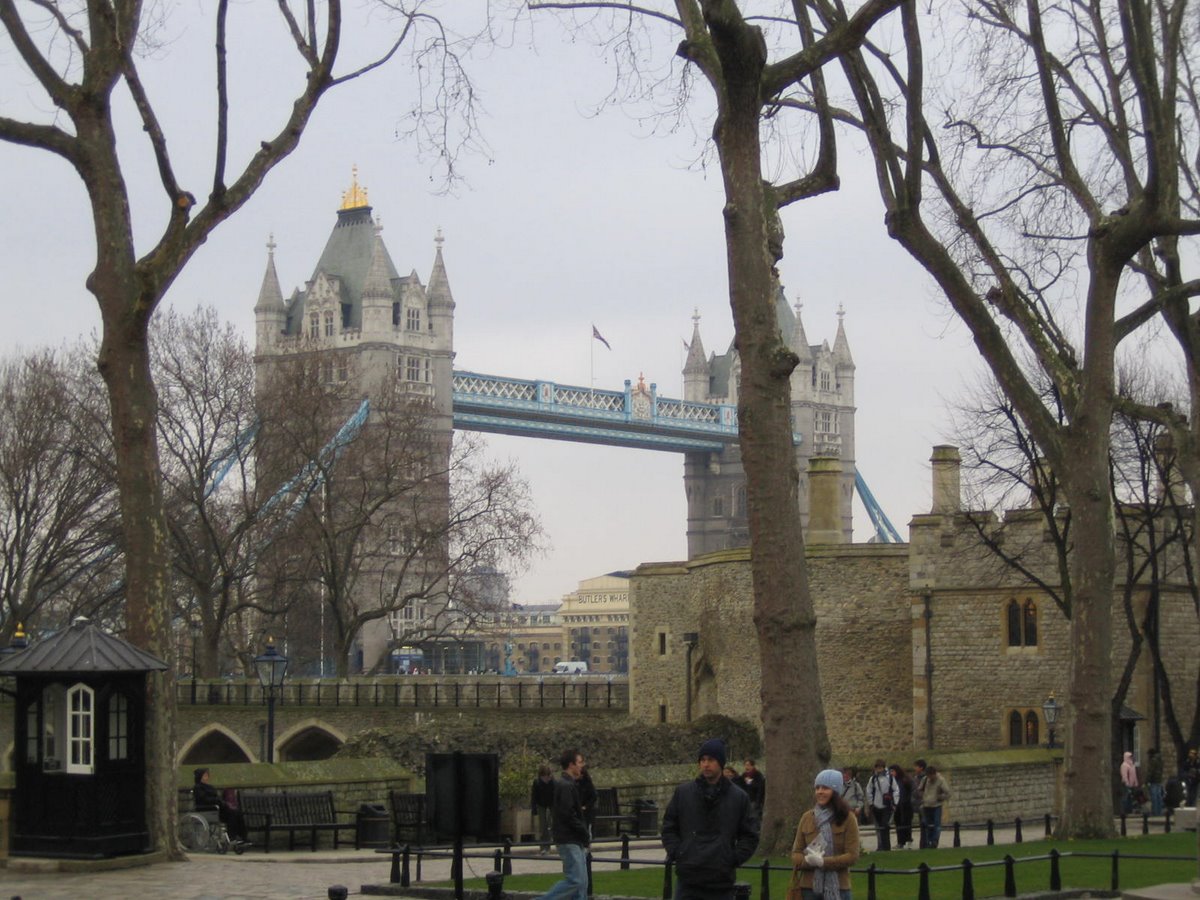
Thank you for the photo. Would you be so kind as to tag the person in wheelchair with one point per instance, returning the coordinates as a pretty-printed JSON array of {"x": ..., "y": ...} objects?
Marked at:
[{"x": 206, "y": 797}]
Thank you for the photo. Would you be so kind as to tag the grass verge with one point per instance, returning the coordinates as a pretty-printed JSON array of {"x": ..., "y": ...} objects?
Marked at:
[{"x": 1083, "y": 864}]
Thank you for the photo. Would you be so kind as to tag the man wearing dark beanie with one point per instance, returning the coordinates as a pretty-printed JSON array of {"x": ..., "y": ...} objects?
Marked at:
[{"x": 709, "y": 830}]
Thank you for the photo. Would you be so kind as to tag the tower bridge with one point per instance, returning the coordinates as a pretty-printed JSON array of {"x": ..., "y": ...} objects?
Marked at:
[{"x": 369, "y": 324}]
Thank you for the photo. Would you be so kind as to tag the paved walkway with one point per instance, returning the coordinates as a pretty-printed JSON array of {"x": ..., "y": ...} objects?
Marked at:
[{"x": 303, "y": 875}]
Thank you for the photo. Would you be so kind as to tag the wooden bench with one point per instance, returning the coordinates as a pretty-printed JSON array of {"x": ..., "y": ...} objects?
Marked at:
[
  {"x": 610, "y": 821},
  {"x": 295, "y": 813},
  {"x": 408, "y": 818}
]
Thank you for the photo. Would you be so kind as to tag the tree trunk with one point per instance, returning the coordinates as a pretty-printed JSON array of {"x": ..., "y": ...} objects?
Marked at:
[
  {"x": 126, "y": 304},
  {"x": 124, "y": 363},
  {"x": 1089, "y": 762},
  {"x": 793, "y": 718}
]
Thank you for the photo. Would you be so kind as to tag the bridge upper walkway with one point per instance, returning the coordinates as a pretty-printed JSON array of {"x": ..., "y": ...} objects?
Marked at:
[{"x": 635, "y": 417}]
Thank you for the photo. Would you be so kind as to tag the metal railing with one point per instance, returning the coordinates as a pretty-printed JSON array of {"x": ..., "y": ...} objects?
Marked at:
[
  {"x": 412, "y": 692},
  {"x": 503, "y": 856}
]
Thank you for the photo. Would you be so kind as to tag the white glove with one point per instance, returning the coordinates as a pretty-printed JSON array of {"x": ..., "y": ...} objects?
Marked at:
[{"x": 814, "y": 859}]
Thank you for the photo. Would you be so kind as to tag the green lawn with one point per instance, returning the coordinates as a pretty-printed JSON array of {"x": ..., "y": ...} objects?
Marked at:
[{"x": 897, "y": 875}]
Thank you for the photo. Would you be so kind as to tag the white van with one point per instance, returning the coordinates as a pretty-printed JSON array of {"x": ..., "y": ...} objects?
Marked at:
[{"x": 571, "y": 667}]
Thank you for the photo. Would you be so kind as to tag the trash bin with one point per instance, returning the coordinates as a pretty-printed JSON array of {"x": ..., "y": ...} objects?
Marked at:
[
  {"x": 647, "y": 817},
  {"x": 372, "y": 821}
]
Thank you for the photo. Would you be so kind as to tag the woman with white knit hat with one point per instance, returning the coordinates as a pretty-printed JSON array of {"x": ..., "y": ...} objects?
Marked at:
[{"x": 826, "y": 844}]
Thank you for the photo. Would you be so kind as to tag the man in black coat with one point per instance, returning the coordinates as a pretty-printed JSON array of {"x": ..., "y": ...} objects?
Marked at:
[
  {"x": 709, "y": 830},
  {"x": 570, "y": 832}
]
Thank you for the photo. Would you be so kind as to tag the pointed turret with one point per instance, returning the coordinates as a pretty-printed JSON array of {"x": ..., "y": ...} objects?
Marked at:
[
  {"x": 377, "y": 294},
  {"x": 441, "y": 328},
  {"x": 439, "y": 285},
  {"x": 270, "y": 312},
  {"x": 695, "y": 370},
  {"x": 799, "y": 337},
  {"x": 841, "y": 346}
]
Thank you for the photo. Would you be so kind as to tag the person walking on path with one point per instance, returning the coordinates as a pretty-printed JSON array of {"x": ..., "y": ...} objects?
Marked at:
[
  {"x": 918, "y": 794},
  {"x": 1129, "y": 783},
  {"x": 1190, "y": 772},
  {"x": 904, "y": 807},
  {"x": 570, "y": 833},
  {"x": 709, "y": 829},
  {"x": 1154, "y": 780},
  {"x": 754, "y": 783},
  {"x": 826, "y": 843},
  {"x": 541, "y": 799},
  {"x": 852, "y": 791},
  {"x": 935, "y": 793},
  {"x": 883, "y": 794}
]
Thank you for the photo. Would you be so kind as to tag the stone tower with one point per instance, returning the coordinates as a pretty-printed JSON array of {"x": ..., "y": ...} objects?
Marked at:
[
  {"x": 369, "y": 326},
  {"x": 822, "y": 414}
]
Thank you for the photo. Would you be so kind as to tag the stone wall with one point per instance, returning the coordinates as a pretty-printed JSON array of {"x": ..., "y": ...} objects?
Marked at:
[{"x": 863, "y": 606}]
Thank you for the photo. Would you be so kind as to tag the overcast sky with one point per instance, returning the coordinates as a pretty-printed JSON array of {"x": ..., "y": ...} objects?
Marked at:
[{"x": 571, "y": 219}]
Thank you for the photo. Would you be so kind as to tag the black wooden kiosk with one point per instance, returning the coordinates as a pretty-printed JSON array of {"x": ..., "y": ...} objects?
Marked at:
[{"x": 79, "y": 755}]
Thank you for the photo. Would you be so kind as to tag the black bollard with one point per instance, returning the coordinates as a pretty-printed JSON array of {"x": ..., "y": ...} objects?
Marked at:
[
  {"x": 1122, "y": 828},
  {"x": 624, "y": 853},
  {"x": 1010, "y": 876},
  {"x": 764, "y": 892},
  {"x": 394, "y": 877},
  {"x": 497, "y": 860},
  {"x": 495, "y": 885},
  {"x": 1167, "y": 820},
  {"x": 741, "y": 891},
  {"x": 1145, "y": 823},
  {"x": 968, "y": 888},
  {"x": 957, "y": 834},
  {"x": 1017, "y": 826},
  {"x": 1049, "y": 825},
  {"x": 667, "y": 889},
  {"x": 923, "y": 882},
  {"x": 1116, "y": 870},
  {"x": 338, "y": 892},
  {"x": 404, "y": 872},
  {"x": 589, "y": 870},
  {"x": 507, "y": 869},
  {"x": 991, "y": 833},
  {"x": 871, "y": 882},
  {"x": 1055, "y": 877}
]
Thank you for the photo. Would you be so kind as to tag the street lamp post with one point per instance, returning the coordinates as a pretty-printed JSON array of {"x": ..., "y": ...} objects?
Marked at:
[
  {"x": 271, "y": 667},
  {"x": 1050, "y": 710}
]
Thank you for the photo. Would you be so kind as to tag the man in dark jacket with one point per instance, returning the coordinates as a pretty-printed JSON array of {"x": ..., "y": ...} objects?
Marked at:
[
  {"x": 709, "y": 830},
  {"x": 570, "y": 832},
  {"x": 541, "y": 799}
]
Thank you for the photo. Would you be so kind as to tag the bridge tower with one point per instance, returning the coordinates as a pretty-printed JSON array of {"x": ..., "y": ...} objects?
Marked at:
[
  {"x": 822, "y": 414},
  {"x": 366, "y": 326}
]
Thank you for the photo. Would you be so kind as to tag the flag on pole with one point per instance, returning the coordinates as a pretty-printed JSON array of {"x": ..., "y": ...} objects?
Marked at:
[{"x": 598, "y": 336}]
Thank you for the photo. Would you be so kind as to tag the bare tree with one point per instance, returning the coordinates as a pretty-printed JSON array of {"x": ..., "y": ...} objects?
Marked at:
[
  {"x": 1035, "y": 189},
  {"x": 389, "y": 522},
  {"x": 83, "y": 57},
  {"x": 58, "y": 527},
  {"x": 207, "y": 425},
  {"x": 751, "y": 61}
]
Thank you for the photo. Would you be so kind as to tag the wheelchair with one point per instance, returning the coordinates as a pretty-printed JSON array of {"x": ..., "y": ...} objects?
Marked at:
[{"x": 203, "y": 831}]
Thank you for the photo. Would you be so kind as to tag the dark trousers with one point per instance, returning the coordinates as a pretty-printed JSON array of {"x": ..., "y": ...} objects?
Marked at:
[
  {"x": 883, "y": 827},
  {"x": 904, "y": 818}
]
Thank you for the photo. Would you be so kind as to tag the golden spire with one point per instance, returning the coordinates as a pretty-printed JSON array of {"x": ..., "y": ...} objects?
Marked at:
[{"x": 356, "y": 196}]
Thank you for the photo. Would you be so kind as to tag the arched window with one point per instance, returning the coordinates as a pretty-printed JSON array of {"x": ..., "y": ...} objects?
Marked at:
[
  {"x": 1029, "y": 617},
  {"x": 1014, "y": 624},
  {"x": 718, "y": 506},
  {"x": 739, "y": 501},
  {"x": 1031, "y": 728},
  {"x": 81, "y": 729},
  {"x": 1014, "y": 729}
]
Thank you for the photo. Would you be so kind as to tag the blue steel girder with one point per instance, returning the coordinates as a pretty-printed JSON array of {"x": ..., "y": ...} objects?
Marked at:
[{"x": 635, "y": 417}]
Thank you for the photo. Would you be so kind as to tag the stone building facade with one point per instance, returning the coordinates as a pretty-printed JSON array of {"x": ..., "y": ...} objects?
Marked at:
[
  {"x": 823, "y": 409},
  {"x": 933, "y": 645}
]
